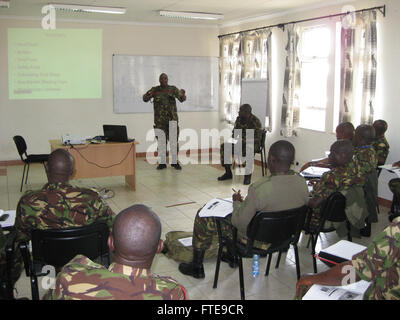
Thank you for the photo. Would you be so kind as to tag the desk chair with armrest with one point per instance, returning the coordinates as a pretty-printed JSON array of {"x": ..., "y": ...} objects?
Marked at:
[
  {"x": 281, "y": 229},
  {"x": 332, "y": 210},
  {"x": 56, "y": 247},
  {"x": 27, "y": 158}
]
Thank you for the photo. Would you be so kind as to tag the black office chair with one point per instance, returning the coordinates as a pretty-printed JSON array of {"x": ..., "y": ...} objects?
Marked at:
[
  {"x": 56, "y": 247},
  {"x": 262, "y": 152},
  {"x": 281, "y": 229},
  {"x": 7, "y": 283},
  {"x": 332, "y": 210},
  {"x": 27, "y": 159}
]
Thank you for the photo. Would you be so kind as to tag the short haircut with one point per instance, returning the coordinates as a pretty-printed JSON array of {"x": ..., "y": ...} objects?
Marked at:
[
  {"x": 344, "y": 147},
  {"x": 366, "y": 132},
  {"x": 283, "y": 151}
]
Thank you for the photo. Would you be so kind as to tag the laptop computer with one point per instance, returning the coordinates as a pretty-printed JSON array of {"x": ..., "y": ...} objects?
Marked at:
[{"x": 115, "y": 133}]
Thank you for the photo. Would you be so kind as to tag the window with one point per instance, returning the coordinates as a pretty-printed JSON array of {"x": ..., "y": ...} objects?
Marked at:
[{"x": 317, "y": 77}]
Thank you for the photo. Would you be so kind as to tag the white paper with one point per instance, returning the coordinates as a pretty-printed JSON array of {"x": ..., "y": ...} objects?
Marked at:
[
  {"x": 392, "y": 169},
  {"x": 187, "y": 242},
  {"x": 344, "y": 249},
  {"x": 232, "y": 140},
  {"x": 217, "y": 208},
  {"x": 353, "y": 291},
  {"x": 10, "y": 220},
  {"x": 316, "y": 172}
]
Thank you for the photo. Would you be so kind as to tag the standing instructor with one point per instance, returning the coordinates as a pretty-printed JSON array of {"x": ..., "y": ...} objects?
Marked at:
[{"x": 166, "y": 118}]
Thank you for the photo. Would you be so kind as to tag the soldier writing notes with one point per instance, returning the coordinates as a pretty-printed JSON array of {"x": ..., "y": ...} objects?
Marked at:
[{"x": 166, "y": 118}]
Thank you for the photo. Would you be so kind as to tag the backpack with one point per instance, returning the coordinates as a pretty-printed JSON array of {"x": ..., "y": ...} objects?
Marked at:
[{"x": 178, "y": 252}]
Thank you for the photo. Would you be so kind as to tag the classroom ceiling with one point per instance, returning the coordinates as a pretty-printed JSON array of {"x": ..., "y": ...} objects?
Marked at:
[{"x": 147, "y": 11}]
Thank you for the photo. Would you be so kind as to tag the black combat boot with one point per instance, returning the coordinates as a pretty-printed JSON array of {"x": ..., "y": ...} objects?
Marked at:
[
  {"x": 194, "y": 268},
  {"x": 247, "y": 179},
  {"x": 161, "y": 166},
  {"x": 228, "y": 173}
]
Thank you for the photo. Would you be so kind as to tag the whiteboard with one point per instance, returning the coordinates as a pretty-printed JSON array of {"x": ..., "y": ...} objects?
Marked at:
[
  {"x": 255, "y": 93},
  {"x": 134, "y": 75}
]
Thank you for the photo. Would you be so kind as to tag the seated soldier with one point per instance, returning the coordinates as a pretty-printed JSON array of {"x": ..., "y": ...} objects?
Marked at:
[
  {"x": 378, "y": 264},
  {"x": 245, "y": 121},
  {"x": 344, "y": 131},
  {"x": 135, "y": 239},
  {"x": 58, "y": 204},
  {"x": 365, "y": 161},
  {"x": 380, "y": 144},
  {"x": 342, "y": 176},
  {"x": 394, "y": 186},
  {"x": 283, "y": 189}
]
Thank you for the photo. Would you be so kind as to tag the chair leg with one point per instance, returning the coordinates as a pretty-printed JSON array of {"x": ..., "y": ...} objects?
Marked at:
[
  {"x": 296, "y": 254},
  {"x": 268, "y": 264},
  {"x": 23, "y": 175},
  {"x": 278, "y": 260},
  {"x": 217, "y": 266},
  {"x": 34, "y": 288},
  {"x": 27, "y": 172},
  {"x": 262, "y": 163},
  {"x": 241, "y": 280},
  {"x": 313, "y": 244}
]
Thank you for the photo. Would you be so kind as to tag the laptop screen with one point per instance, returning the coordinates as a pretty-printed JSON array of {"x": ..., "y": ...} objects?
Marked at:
[{"x": 115, "y": 133}]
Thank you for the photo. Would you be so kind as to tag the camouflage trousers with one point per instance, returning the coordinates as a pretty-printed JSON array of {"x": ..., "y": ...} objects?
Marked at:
[
  {"x": 167, "y": 131},
  {"x": 245, "y": 155},
  {"x": 17, "y": 265},
  {"x": 205, "y": 229}
]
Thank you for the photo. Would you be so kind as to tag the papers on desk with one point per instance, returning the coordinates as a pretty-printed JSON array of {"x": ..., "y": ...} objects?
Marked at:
[
  {"x": 389, "y": 167},
  {"x": 10, "y": 221},
  {"x": 314, "y": 172},
  {"x": 354, "y": 291},
  {"x": 340, "y": 251},
  {"x": 217, "y": 208}
]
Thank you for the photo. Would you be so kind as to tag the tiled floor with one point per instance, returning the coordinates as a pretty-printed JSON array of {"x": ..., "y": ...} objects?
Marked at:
[{"x": 176, "y": 196}]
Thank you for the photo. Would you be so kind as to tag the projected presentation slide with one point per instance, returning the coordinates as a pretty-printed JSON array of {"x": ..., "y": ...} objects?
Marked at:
[{"x": 54, "y": 64}]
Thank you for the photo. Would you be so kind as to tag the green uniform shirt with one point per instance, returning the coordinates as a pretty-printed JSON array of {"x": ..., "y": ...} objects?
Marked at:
[
  {"x": 82, "y": 279},
  {"x": 252, "y": 123},
  {"x": 381, "y": 147},
  {"x": 270, "y": 193},
  {"x": 380, "y": 264},
  {"x": 60, "y": 206}
]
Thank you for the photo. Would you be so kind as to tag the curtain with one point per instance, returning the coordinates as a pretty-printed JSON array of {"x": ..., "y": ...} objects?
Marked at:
[
  {"x": 230, "y": 76},
  {"x": 243, "y": 55},
  {"x": 291, "y": 85},
  {"x": 358, "y": 68}
]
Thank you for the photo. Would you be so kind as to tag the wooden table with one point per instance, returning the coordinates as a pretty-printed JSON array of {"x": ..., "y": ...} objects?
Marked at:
[{"x": 102, "y": 160}]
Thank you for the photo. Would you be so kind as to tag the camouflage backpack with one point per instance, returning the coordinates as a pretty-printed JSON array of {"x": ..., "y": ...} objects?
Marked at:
[{"x": 181, "y": 253}]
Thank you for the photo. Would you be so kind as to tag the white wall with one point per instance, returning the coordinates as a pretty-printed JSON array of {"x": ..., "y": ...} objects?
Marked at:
[
  {"x": 41, "y": 120},
  {"x": 312, "y": 144}
]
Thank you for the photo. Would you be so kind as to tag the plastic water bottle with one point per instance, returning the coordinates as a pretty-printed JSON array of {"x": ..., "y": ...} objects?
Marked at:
[{"x": 256, "y": 265}]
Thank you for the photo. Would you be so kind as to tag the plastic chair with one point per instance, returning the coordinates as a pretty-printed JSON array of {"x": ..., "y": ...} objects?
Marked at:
[
  {"x": 56, "y": 247},
  {"x": 332, "y": 210},
  {"x": 281, "y": 229},
  {"x": 27, "y": 159}
]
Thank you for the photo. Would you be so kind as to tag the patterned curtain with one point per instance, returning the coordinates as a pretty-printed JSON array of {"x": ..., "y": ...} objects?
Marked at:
[
  {"x": 246, "y": 55},
  {"x": 291, "y": 85},
  {"x": 230, "y": 76},
  {"x": 358, "y": 68}
]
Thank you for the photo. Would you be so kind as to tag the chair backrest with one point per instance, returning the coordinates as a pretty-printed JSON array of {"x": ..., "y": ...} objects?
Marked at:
[
  {"x": 21, "y": 145},
  {"x": 58, "y": 246},
  {"x": 333, "y": 208},
  {"x": 277, "y": 228}
]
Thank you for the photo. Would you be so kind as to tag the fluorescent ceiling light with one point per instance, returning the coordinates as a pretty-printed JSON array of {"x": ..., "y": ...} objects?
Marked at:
[
  {"x": 96, "y": 9},
  {"x": 191, "y": 15},
  {"x": 5, "y": 4}
]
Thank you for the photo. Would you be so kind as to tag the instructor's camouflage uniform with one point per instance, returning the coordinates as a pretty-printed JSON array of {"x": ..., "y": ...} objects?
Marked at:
[
  {"x": 83, "y": 279},
  {"x": 380, "y": 264},
  {"x": 253, "y": 123},
  {"x": 165, "y": 110}
]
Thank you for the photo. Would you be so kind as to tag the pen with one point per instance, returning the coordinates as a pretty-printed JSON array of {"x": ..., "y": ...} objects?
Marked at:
[{"x": 234, "y": 190}]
